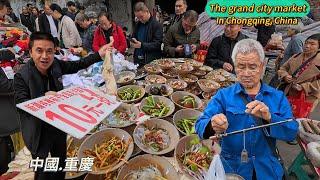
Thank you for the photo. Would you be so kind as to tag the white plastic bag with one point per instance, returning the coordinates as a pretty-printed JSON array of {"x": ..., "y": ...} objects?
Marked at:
[
  {"x": 120, "y": 64},
  {"x": 216, "y": 170}
]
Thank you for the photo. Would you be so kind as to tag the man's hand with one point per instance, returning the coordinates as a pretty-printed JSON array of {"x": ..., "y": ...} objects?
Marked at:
[
  {"x": 228, "y": 67},
  {"x": 135, "y": 43},
  {"x": 297, "y": 87},
  {"x": 179, "y": 49},
  {"x": 259, "y": 109},
  {"x": 219, "y": 123},
  {"x": 193, "y": 47},
  {"x": 288, "y": 79},
  {"x": 106, "y": 48},
  {"x": 50, "y": 93}
]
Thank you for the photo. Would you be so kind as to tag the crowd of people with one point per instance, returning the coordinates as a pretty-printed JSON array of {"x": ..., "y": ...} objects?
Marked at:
[{"x": 248, "y": 103}]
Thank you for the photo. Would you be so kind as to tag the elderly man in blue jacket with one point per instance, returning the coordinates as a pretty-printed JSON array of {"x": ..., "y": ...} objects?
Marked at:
[{"x": 246, "y": 104}]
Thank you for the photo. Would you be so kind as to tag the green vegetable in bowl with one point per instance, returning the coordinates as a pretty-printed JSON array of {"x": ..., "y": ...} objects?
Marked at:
[
  {"x": 129, "y": 94},
  {"x": 155, "y": 109},
  {"x": 187, "y": 125}
]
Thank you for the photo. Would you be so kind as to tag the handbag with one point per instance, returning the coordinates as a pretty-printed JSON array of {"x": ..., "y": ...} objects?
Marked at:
[{"x": 300, "y": 107}]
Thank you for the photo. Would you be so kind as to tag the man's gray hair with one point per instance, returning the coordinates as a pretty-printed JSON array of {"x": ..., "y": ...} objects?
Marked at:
[
  {"x": 80, "y": 17},
  {"x": 140, "y": 6},
  {"x": 191, "y": 16},
  {"x": 246, "y": 46},
  {"x": 184, "y": 2},
  {"x": 297, "y": 27}
]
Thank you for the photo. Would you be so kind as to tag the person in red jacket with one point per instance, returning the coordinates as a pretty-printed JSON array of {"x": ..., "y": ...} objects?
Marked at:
[{"x": 106, "y": 29}]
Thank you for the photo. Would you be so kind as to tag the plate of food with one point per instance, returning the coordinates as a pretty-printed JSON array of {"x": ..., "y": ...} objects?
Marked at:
[
  {"x": 156, "y": 136},
  {"x": 148, "y": 167},
  {"x": 142, "y": 83},
  {"x": 110, "y": 176},
  {"x": 193, "y": 156},
  {"x": 130, "y": 93},
  {"x": 208, "y": 95},
  {"x": 206, "y": 68},
  {"x": 165, "y": 64},
  {"x": 73, "y": 145},
  {"x": 183, "y": 68},
  {"x": 110, "y": 148},
  {"x": 185, "y": 119},
  {"x": 170, "y": 74},
  {"x": 159, "y": 89},
  {"x": 177, "y": 84},
  {"x": 189, "y": 78},
  {"x": 152, "y": 68},
  {"x": 125, "y": 115},
  {"x": 125, "y": 78},
  {"x": 185, "y": 100},
  {"x": 156, "y": 79},
  {"x": 194, "y": 63},
  {"x": 199, "y": 73},
  {"x": 208, "y": 85},
  {"x": 141, "y": 73},
  {"x": 194, "y": 89},
  {"x": 157, "y": 106},
  {"x": 215, "y": 76}
]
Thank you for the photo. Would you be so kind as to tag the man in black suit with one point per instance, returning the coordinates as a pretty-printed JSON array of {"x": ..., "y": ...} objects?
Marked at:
[
  {"x": 27, "y": 20},
  {"x": 48, "y": 24},
  {"x": 39, "y": 77}
]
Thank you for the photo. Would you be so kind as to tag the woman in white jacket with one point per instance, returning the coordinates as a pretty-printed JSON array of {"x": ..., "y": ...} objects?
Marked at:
[{"x": 68, "y": 34}]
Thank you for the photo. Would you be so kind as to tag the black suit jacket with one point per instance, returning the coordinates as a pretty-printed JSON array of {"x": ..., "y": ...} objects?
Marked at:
[
  {"x": 28, "y": 21},
  {"x": 9, "y": 120},
  {"x": 28, "y": 84},
  {"x": 152, "y": 46},
  {"x": 220, "y": 51},
  {"x": 44, "y": 24}
]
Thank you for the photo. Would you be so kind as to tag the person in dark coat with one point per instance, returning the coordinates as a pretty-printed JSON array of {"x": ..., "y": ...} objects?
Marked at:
[
  {"x": 264, "y": 33},
  {"x": 47, "y": 23},
  {"x": 39, "y": 77},
  {"x": 147, "y": 36},
  {"x": 8, "y": 122},
  {"x": 181, "y": 34},
  {"x": 12, "y": 15},
  {"x": 27, "y": 20},
  {"x": 219, "y": 52},
  {"x": 72, "y": 10}
]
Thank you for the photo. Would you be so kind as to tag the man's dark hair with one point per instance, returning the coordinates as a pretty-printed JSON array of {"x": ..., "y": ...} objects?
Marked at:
[
  {"x": 81, "y": 8},
  {"x": 108, "y": 15},
  {"x": 40, "y": 36},
  {"x": 4, "y": 3},
  {"x": 315, "y": 37},
  {"x": 56, "y": 7},
  {"x": 70, "y": 3}
]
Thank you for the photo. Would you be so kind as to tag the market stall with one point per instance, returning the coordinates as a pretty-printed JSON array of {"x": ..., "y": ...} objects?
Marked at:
[{"x": 160, "y": 104}]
